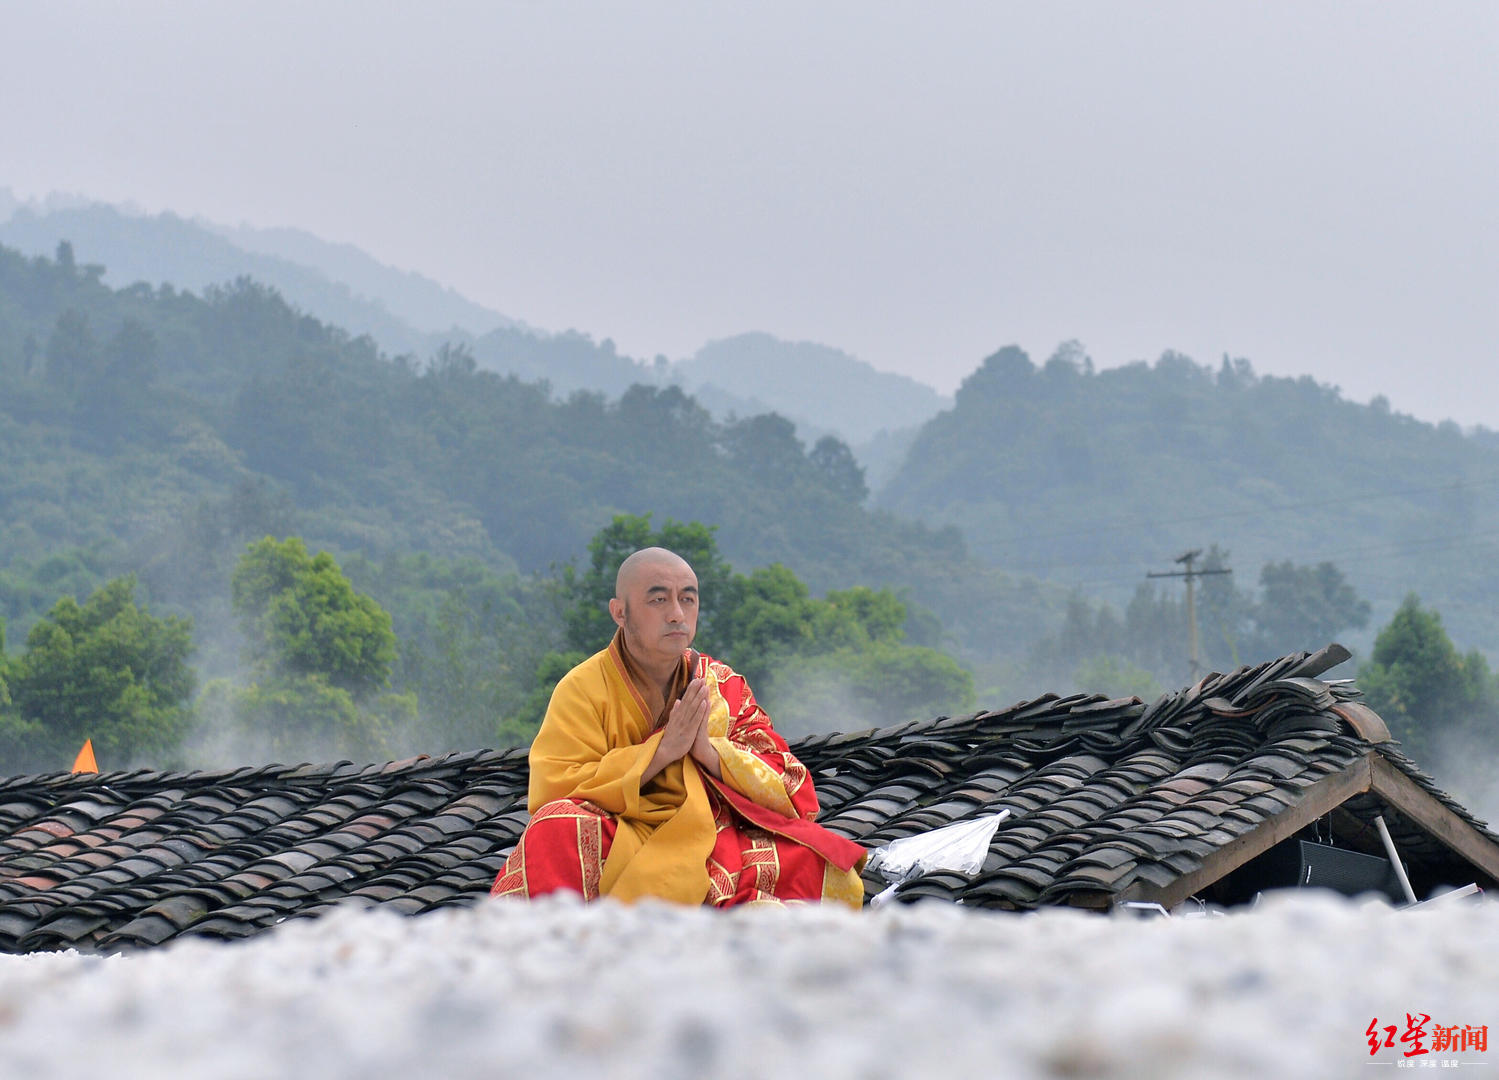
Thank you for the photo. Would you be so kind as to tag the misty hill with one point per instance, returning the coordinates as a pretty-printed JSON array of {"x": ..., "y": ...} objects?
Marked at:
[
  {"x": 404, "y": 312},
  {"x": 569, "y": 362},
  {"x": 1093, "y": 478},
  {"x": 1084, "y": 478},
  {"x": 151, "y": 430},
  {"x": 168, "y": 249},
  {"x": 822, "y": 389},
  {"x": 815, "y": 385},
  {"x": 415, "y": 299}
]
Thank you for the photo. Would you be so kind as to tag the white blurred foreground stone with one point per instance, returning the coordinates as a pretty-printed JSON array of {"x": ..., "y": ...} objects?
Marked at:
[{"x": 557, "y": 989}]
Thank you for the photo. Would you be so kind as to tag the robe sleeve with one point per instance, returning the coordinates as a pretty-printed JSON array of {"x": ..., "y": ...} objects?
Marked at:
[
  {"x": 571, "y": 758},
  {"x": 755, "y": 760}
]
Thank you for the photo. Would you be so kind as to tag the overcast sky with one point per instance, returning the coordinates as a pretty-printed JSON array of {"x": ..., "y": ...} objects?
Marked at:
[{"x": 1314, "y": 186}]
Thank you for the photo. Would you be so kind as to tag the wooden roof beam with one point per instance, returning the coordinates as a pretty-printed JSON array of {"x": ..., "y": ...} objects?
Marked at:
[
  {"x": 1370, "y": 773},
  {"x": 1441, "y": 824},
  {"x": 1317, "y": 800}
]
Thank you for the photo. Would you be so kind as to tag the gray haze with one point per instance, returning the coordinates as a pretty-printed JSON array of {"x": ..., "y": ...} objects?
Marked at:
[{"x": 1309, "y": 185}]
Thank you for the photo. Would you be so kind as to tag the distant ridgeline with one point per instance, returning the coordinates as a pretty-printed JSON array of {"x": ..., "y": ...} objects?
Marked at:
[
  {"x": 403, "y": 312},
  {"x": 822, "y": 389},
  {"x": 1094, "y": 477}
]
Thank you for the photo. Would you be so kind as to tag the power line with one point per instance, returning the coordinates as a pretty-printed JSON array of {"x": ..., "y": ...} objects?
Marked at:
[
  {"x": 1191, "y": 574},
  {"x": 1363, "y": 576}
]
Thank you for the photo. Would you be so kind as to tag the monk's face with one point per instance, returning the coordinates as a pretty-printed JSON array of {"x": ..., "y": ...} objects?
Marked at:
[{"x": 657, "y": 610}]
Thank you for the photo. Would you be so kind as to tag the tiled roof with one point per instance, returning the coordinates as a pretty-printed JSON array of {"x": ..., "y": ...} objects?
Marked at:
[
  {"x": 1118, "y": 799},
  {"x": 1108, "y": 800}
]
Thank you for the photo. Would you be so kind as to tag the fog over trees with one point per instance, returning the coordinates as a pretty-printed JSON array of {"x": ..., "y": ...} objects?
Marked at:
[{"x": 339, "y": 551}]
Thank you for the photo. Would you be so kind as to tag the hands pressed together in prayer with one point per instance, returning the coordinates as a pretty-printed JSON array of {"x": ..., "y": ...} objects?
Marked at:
[{"x": 686, "y": 734}]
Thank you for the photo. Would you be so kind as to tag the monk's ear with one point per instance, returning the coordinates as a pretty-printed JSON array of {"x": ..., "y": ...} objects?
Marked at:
[{"x": 617, "y": 611}]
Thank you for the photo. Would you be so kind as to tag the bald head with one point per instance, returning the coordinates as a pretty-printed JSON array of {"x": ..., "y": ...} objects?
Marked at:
[
  {"x": 648, "y": 562},
  {"x": 655, "y": 605}
]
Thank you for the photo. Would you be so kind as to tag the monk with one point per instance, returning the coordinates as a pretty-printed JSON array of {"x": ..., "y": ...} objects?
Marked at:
[{"x": 655, "y": 773}]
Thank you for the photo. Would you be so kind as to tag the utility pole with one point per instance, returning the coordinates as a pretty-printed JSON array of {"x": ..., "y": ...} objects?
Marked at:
[{"x": 1191, "y": 574}]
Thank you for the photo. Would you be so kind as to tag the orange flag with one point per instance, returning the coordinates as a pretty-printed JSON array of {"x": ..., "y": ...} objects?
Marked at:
[{"x": 85, "y": 762}]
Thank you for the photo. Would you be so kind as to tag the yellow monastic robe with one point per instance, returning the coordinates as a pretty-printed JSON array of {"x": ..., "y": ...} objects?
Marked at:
[
  {"x": 595, "y": 744},
  {"x": 599, "y": 736}
]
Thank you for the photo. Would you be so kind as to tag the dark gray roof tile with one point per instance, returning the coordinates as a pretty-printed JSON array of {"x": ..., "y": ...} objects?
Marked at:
[{"x": 1104, "y": 794}]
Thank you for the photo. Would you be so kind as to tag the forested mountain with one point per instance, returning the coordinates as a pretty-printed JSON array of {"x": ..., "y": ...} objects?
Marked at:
[
  {"x": 416, "y": 300},
  {"x": 167, "y": 249},
  {"x": 822, "y": 390},
  {"x": 149, "y": 429},
  {"x": 817, "y": 386},
  {"x": 403, "y": 312},
  {"x": 1094, "y": 477}
]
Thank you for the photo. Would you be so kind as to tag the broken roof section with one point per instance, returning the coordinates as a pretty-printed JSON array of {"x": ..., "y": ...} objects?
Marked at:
[
  {"x": 1116, "y": 801},
  {"x": 1110, "y": 801}
]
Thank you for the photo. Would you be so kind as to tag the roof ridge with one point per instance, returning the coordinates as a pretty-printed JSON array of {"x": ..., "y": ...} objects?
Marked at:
[{"x": 275, "y": 774}]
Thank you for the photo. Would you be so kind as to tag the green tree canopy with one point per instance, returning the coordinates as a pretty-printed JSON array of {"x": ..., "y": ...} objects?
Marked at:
[
  {"x": 844, "y": 474},
  {"x": 105, "y": 670},
  {"x": 303, "y": 617},
  {"x": 769, "y": 614},
  {"x": 1297, "y": 607},
  {"x": 4, "y": 689},
  {"x": 130, "y": 356},
  {"x": 470, "y": 642},
  {"x": 72, "y": 352},
  {"x": 1305, "y": 607},
  {"x": 1431, "y": 696},
  {"x": 585, "y": 594},
  {"x": 322, "y": 653},
  {"x": 816, "y": 663}
]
